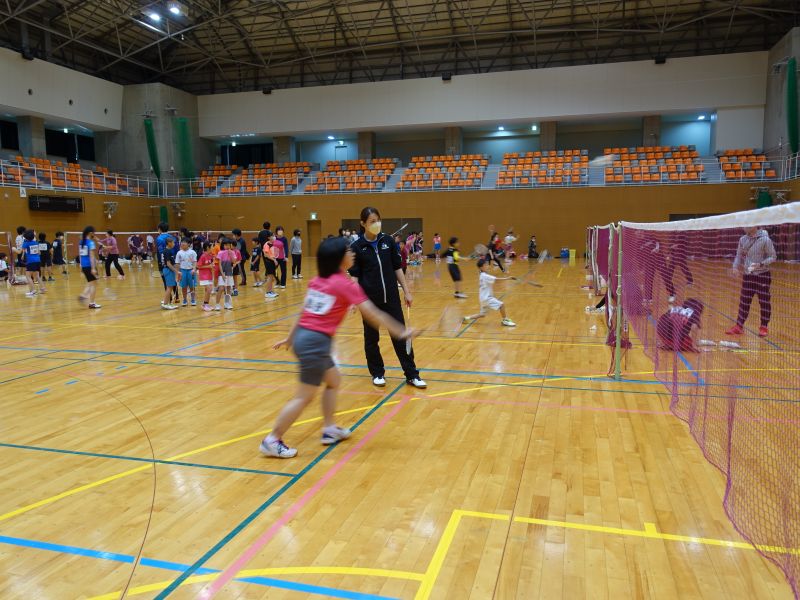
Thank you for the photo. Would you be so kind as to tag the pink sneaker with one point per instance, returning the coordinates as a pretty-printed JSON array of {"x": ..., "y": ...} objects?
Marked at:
[{"x": 207, "y": 307}]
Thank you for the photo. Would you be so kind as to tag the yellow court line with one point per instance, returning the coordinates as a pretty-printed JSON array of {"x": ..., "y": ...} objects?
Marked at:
[
  {"x": 651, "y": 531},
  {"x": 99, "y": 482},
  {"x": 435, "y": 566},
  {"x": 355, "y": 571},
  {"x": 559, "y": 272}
]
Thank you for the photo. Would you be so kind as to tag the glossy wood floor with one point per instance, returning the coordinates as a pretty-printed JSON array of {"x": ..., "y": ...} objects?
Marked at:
[{"x": 129, "y": 457}]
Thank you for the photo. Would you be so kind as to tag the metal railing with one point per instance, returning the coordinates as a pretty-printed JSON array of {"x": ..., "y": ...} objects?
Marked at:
[{"x": 598, "y": 173}]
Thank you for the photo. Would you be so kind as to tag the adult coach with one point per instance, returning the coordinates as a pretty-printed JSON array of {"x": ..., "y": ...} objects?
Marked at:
[
  {"x": 377, "y": 268},
  {"x": 753, "y": 257}
]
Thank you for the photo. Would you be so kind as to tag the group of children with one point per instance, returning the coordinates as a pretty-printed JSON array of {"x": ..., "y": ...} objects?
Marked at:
[{"x": 33, "y": 257}]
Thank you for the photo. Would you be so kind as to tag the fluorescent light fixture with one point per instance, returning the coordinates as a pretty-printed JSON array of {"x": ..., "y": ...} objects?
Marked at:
[
  {"x": 175, "y": 10},
  {"x": 501, "y": 128},
  {"x": 701, "y": 118},
  {"x": 154, "y": 16},
  {"x": 330, "y": 137},
  {"x": 341, "y": 142},
  {"x": 66, "y": 130},
  {"x": 233, "y": 144},
  {"x": 534, "y": 128}
]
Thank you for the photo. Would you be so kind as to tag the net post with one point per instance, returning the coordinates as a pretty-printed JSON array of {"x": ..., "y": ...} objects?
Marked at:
[{"x": 618, "y": 341}]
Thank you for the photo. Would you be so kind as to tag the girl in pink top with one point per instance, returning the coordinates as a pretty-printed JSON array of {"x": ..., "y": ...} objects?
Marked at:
[
  {"x": 328, "y": 299},
  {"x": 111, "y": 254},
  {"x": 205, "y": 274}
]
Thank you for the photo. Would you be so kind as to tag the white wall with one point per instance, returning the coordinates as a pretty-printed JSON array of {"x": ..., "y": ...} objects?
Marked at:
[
  {"x": 53, "y": 87},
  {"x": 496, "y": 147},
  {"x": 322, "y": 152},
  {"x": 739, "y": 128},
  {"x": 682, "y": 84},
  {"x": 697, "y": 133}
]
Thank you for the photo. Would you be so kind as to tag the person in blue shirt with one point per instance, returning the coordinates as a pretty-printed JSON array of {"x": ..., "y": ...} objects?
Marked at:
[
  {"x": 33, "y": 262},
  {"x": 87, "y": 251}
]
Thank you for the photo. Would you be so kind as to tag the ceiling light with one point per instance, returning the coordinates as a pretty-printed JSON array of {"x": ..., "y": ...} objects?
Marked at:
[
  {"x": 233, "y": 144},
  {"x": 330, "y": 137},
  {"x": 341, "y": 142},
  {"x": 66, "y": 130},
  {"x": 154, "y": 16},
  {"x": 501, "y": 128},
  {"x": 701, "y": 118},
  {"x": 534, "y": 128},
  {"x": 175, "y": 10}
]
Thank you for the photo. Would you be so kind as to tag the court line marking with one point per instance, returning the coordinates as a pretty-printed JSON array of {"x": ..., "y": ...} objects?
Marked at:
[
  {"x": 255, "y": 576},
  {"x": 246, "y": 556},
  {"x": 103, "y": 481},
  {"x": 266, "y": 504},
  {"x": 146, "y": 460},
  {"x": 442, "y": 548}
]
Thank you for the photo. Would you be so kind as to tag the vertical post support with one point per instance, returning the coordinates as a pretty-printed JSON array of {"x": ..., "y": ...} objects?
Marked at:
[{"x": 618, "y": 347}]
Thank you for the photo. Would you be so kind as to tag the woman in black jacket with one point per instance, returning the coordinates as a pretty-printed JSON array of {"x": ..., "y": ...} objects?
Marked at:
[{"x": 378, "y": 270}]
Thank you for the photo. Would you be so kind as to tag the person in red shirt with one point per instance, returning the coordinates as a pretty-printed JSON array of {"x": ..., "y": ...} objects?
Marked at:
[
  {"x": 678, "y": 327},
  {"x": 328, "y": 298},
  {"x": 205, "y": 274}
]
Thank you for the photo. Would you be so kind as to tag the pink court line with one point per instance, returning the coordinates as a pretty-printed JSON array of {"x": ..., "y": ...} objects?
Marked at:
[
  {"x": 556, "y": 406},
  {"x": 215, "y": 586}
]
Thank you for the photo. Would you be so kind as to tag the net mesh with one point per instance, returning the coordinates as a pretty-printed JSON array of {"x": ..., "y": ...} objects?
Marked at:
[{"x": 738, "y": 392}]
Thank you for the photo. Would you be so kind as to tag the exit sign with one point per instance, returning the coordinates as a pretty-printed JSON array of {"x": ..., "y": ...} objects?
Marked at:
[{"x": 313, "y": 216}]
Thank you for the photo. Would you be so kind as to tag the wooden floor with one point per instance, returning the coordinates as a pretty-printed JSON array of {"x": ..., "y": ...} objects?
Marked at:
[{"x": 129, "y": 457}]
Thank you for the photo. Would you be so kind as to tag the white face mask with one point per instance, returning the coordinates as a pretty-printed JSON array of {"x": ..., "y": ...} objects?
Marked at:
[{"x": 374, "y": 228}]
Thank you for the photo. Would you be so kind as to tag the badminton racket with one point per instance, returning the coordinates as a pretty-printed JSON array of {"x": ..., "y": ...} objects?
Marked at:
[
  {"x": 399, "y": 230},
  {"x": 408, "y": 325},
  {"x": 481, "y": 250},
  {"x": 532, "y": 283}
]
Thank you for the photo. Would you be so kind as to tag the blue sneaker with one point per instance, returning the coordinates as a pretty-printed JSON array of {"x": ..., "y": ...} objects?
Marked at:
[{"x": 235, "y": 292}]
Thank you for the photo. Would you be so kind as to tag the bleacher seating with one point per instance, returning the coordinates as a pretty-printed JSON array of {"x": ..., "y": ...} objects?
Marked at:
[
  {"x": 746, "y": 164},
  {"x": 654, "y": 164},
  {"x": 465, "y": 171},
  {"x": 266, "y": 178},
  {"x": 212, "y": 178},
  {"x": 544, "y": 168},
  {"x": 43, "y": 173},
  {"x": 362, "y": 175}
]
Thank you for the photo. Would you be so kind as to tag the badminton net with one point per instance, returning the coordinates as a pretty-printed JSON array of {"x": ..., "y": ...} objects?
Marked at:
[{"x": 739, "y": 393}]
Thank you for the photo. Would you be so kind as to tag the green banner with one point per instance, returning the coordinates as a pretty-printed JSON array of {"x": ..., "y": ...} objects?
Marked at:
[
  {"x": 183, "y": 147},
  {"x": 152, "y": 149},
  {"x": 791, "y": 105}
]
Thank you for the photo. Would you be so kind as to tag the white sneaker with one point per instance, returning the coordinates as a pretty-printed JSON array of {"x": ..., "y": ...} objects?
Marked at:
[
  {"x": 277, "y": 449},
  {"x": 671, "y": 299},
  {"x": 168, "y": 306},
  {"x": 508, "y": 323},
  {"x": 30, "y": 294},
  {"x": 460, "y": 295},
  {"x": 379, "y": 381},
  {"x": 331, "y": 435},
  {"x": 217, "y": 307},
  {"x": 417, "y": 383},
  {"x": 299, "y": 276}
]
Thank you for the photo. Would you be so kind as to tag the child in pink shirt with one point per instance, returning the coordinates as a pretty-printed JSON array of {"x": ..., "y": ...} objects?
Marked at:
[
  {"x": 227, "y": 261},
  {"x": 205, "y": 274},
  {"x": 328, "y": 298}
]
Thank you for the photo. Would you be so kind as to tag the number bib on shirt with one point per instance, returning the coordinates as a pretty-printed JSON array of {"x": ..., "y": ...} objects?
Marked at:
[
  {"x": 318, "y": 303},
  {"x": 33, "y": 249}
]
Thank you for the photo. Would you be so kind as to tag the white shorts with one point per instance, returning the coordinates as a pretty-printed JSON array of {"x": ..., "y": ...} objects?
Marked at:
[
  {"x": 490, "y": 302},
  {"x": 206, "y": 282},
  {"x": 225, "y": 281}
]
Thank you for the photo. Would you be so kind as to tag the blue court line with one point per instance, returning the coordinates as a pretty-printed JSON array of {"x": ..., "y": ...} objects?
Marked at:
[
  {"x": 747, "y": 329},
  {"x": 680, "y": 355},
  {"x": 226, "y": 335},
  {"x": 244, "y": 307},
  {"x": 146, "y": 460},
  {"x": 388, "y": 368},
  {"x": 173, "y": 566},
  {"x": 467, "y": 326},
  {"x": 72, "y": 381},
  {"x": 42, "y": 391},
  {"x": 269, "y": 502},
  {"x": 99, "y": 353}
]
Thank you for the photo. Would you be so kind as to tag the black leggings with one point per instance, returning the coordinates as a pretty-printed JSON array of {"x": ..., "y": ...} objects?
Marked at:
[
  {"x": 493, "y": 257},
  {"x": 297, "y": 263},
  {"x": 372, "y": 350},
  {"x": 755, "y": 285},
  {"x": 113, "y": 258},
  {"x": 282, "y": 267}
]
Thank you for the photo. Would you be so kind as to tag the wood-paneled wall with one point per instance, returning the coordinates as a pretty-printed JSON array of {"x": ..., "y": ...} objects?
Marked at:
[{"x": 559, "y": 217}]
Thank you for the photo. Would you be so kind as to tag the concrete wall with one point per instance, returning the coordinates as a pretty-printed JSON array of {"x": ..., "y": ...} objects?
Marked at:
[
  {"x": 775, "y": 127},
  {"x": 125, "y": 151},
  {"x": 594, "y": 137},
  {"x": 739, "y": 128},
  {"x": 682, "y": 84},
  {"x": 687, "y": 133},
  {"x": 96, "y": 103}
]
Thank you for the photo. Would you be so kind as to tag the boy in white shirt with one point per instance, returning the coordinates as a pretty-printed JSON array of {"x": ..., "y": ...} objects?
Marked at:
[
  {"x": 187, "y": 262},
  {"x": 486, "y": 295}
]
